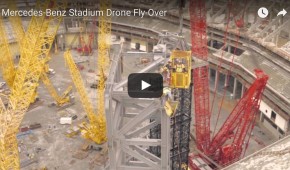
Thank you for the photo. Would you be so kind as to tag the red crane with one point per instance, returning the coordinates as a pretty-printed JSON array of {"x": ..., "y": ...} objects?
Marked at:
[
  {"x": 231, "y": 141},
  {"x": 199, "y": 50},
  {"x": 239, "y": 123},
  {"x": 86, "y": 49}
]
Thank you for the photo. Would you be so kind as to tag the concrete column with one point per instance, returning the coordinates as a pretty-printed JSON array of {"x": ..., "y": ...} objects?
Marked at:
[
  {"x": 208, "y": 74},
  {"x": 229, "y": 48},
  {"x": 242, "y": 91},
  {"x": 246, "y": 19},
  {"x": 261, "y": 116},
  {"x": 226, "y": 80},
  {"x": 287, "y": 128},
  {"x": 147, "y": 47},
  {"x": 211, "y": 39},
  {"x": 215, "y": 79},
  {"x": 61, "y": 42},
  {"x": 235, "y": 88}
]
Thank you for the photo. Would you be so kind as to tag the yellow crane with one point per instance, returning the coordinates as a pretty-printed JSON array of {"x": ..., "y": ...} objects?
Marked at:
[
  {"x": 36, "y": 45},
  {"x": 8, "y": 68},
  {"x": 60, "y": 100},
  {"x": 104, "y": 39},
  {"x": 6, "y": 63},
  {"x": 18, "y": 29},
  {"x": 95, "y": 129}
]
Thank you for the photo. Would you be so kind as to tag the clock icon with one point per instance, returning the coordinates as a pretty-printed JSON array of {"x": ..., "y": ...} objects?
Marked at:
[{"x": 263, "y": 12}]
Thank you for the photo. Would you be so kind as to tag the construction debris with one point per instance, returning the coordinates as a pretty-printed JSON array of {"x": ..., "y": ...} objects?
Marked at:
[
  {"x": 85, "y": 146},
  {"x": 2, "y": 84},
  {"x": 34, "y": 126},
  {"x": 99, "y": 159},
  {"x": 72, "y": 131},
  {"x": 80, "y": 155},
  {"x": 89, "y": 145}
]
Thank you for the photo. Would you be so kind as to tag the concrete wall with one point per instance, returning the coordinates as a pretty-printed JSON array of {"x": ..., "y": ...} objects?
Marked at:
[
  {"x": 73, "y": 39},
  {"x": 70, "y": 37},
  {"x": 279, "y": 121},
  {"x": 271, "y": 129},
  {"x": 265, "y": 109},
  {"x": 143, "y": 44}
]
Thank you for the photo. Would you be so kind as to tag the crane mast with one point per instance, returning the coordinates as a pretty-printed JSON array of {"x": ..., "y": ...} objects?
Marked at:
[
  {"x": 86, "y": 48},
  {"x": 199, "y": 51},
  {"x": 37, "y": 43}
]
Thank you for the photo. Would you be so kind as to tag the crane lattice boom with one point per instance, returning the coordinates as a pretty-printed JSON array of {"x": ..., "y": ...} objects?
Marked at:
[
  {"x": 93, "y": 131},
  {"x": 20, "y": 34},
  {"x": 200, "y": 75},
  {"x": 96, "y": 130},
  {"x": 6, "y": 61},
  {"x": 104, "y": 38},
  {"x": 239, "y": 123},
  {"x": 36, "y": 45}
]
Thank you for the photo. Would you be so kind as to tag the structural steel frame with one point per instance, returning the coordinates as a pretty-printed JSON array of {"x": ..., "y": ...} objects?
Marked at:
[
  {"x": 140, "y": 134},
  {"x": 129, "y": 122}
]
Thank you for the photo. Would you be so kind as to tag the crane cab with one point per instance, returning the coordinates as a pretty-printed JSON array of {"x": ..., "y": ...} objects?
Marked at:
[{"x": 180, "y": 72}]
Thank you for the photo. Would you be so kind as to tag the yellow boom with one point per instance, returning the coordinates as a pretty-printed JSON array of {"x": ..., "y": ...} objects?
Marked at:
[
  {"x": 18, "y": 29},
  {"x": 96, "y": 129},
  {"x": 36, "y": 45}
]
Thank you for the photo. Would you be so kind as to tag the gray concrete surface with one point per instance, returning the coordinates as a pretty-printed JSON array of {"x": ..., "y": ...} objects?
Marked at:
[
  {"x": 57, "y": 148},
  {"x": 275, "y": 156}
]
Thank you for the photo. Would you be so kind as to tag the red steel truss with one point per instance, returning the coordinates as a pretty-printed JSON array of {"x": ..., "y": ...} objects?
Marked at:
[
  {"x": 231, "y": 141},
  {"x": 200, "y": 75},
  {"x": 239, "y": 124}
]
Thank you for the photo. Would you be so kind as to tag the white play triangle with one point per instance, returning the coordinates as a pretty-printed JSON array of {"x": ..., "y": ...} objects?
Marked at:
[{"x": 144, "y": 85}]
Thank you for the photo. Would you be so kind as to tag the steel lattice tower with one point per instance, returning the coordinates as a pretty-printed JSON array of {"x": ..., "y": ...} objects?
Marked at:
[
  {"x": 200, "y": 74},
  {"x": 180, "y": 131}
]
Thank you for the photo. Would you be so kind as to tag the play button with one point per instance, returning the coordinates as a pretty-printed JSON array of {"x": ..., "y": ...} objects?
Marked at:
[{"x": 145, "y": 85}]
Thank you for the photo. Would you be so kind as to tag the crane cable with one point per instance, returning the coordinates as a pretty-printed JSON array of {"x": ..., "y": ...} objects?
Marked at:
[
  {"x": 231, "y": 65},
  {"x": 227, "y": 79},
  {"x": 219, "y": 66}
]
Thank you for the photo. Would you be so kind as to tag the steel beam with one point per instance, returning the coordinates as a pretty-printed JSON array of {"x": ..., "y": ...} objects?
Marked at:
[
  {"x": 143, "y": 142},
  {"x": 148, "y": 154},
  {"x": 152, "y": 66},
  {"x": 146, "y": 113},
  {"x": 144, "y": 128},
  {"x": 123, "y": 167},
  {"x": 140, "y": 157}
]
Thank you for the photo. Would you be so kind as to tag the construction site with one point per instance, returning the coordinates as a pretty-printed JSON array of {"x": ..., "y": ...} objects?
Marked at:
[{"x": 144, "y": 85}]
